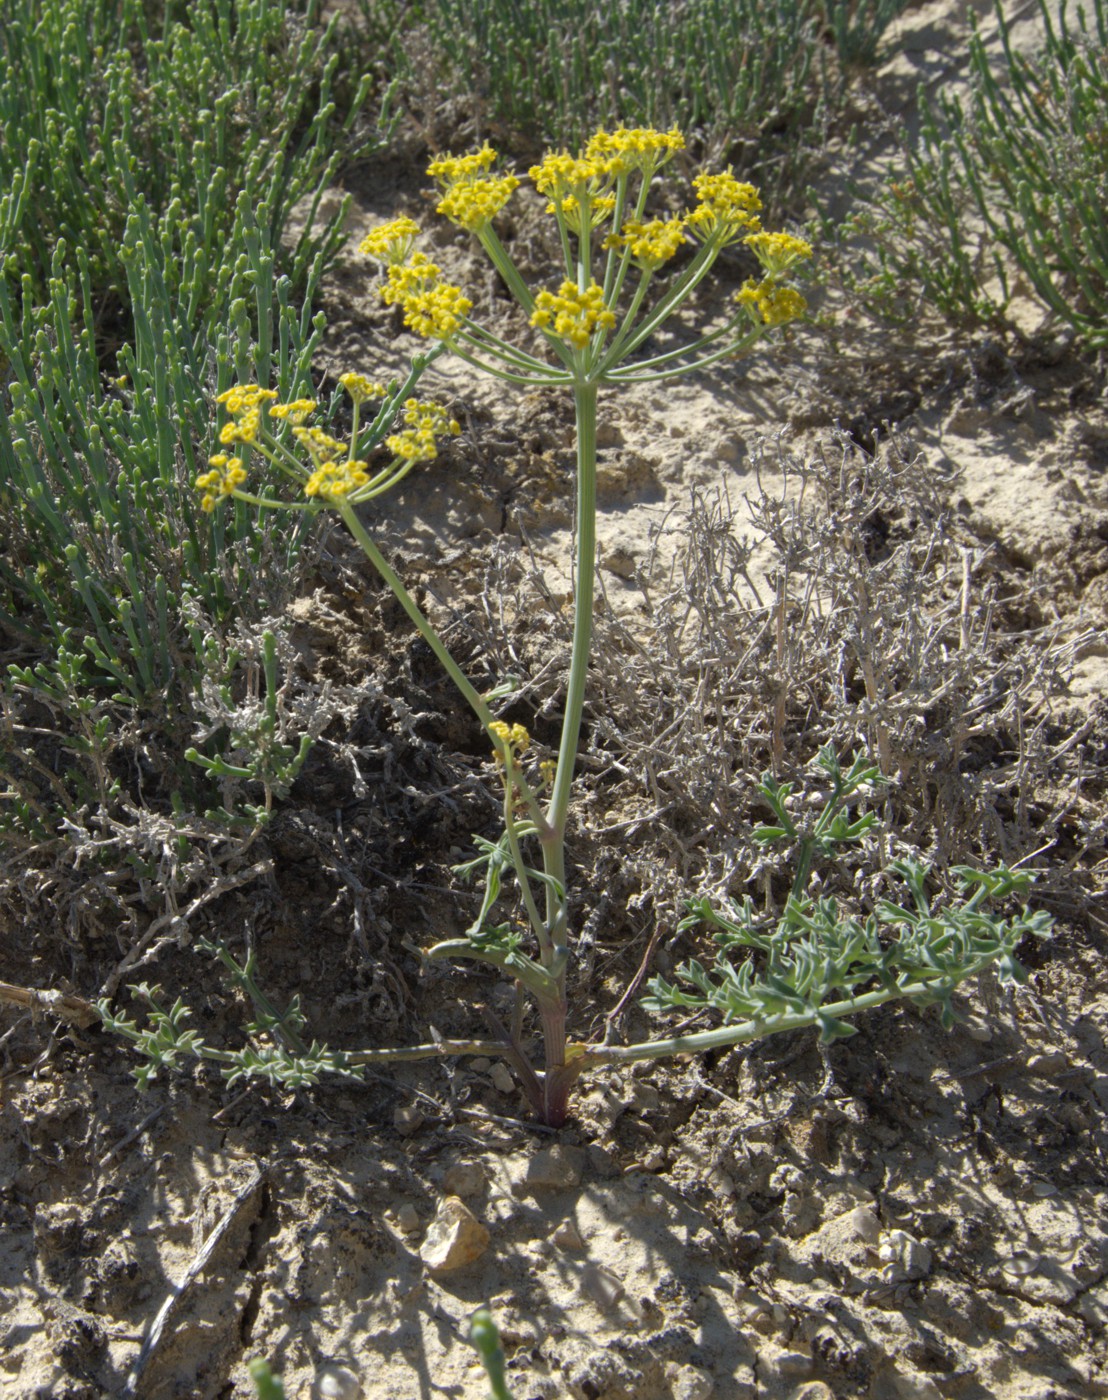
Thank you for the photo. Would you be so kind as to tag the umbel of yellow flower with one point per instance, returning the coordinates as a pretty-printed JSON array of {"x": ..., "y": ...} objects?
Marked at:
[
  {"x": 770, "y": 305},
  {"x": 332, "y": 480},
  {"x": 425, "y": 422},
  {"x": 728, "y": 208},
  {"x": 472, "y": 196},
  {"x": 634, "y": 148},
  {"x": 333, "y": 473},
  {"x": 572, "y": 314},
  {"x": 360, "y": 388},
  {"x": 432, "y": 307},
  {"x": 471, "y": 204},
  {"x": 650, "y": 244},
  {"x": 777, "y": 252},
  {"x": 243, "y": 397},
  {"x": 391, "y": 243},
  {"x": 226, "y": 474},
  {"x": 514, "y": 737}
]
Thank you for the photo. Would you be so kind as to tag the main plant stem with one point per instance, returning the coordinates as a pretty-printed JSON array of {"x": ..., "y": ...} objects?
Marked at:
[{"x": 552, "y": 1010}]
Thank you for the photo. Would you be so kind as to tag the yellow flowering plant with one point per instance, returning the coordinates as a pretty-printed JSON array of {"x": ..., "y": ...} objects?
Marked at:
[{"x": 818, "y": 967}]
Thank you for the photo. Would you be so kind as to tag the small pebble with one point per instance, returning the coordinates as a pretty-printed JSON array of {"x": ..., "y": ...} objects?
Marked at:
[
  {"x": 644, "y": 1097},
  {"x": 1046, "y": 1066},
  {"x": 567, "y": 1236},
  {"x": 1021, "y": 1264},
  {"x": 916, "y": 1388},
  {"x": 407, "y": 1119},
  {"x": 602, "y": 1286},
  {"x": 454, "y": 1238},
  {"x": 333, "y": 1382},
  {"x": 407, "y": 1218},
  {"x": 502, "y": 1079},
  {"x": 903, "y": 1257},
  {"x": 864, "y": 1224},
  {"x": 480, "y": 1065}
]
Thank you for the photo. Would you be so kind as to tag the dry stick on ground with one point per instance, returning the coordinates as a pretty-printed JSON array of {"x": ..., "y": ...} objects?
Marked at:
[{"x": 246, "y": 1195}]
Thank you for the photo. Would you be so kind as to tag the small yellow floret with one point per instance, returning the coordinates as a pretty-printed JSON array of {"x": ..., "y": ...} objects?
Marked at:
[
  {"x": 321, "y": 447},
  {"x": 471, "y": 204},
  {"x": 600, "y": 207},
  {"x": 221, "y": 482},
  {"x": 728, "y": 207},
  {"x": 559, "y": 174},
  {"x": 243, "y": 428},
  {"x": 449, "y": 170},
  {"x": 426, "y": 422},
  {"x": 296, "y": 410},
  {"x": 391, "y": 243},
  {"x": 432, "y": 308},
  {"x": 650, "y": 244},
  {"x": 634, "y": 148},
  {"x": 360, "y": 388},
  {"x": 777, "y": 251},
  {"x": 572, "y": 314},
  {"x": 244, "y": 397},
  {"x": 770, "y": 304},
  {"x": 333, "y": 480},
  {"x": 514, "y": 737}
]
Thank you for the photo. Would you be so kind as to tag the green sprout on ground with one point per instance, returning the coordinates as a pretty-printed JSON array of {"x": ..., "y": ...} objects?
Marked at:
[{"x": 594, "y": 329}]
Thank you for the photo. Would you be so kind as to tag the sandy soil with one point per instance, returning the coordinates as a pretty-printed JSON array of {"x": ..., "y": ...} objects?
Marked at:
[{"x": 919, "y": 1215}]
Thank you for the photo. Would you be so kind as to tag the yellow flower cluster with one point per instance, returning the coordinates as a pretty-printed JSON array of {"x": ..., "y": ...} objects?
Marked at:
[
  {"x": 360, "y": 388},
  {"x": 728, "y": 207},
  {"x": 391, "y": 243},
  {"x": 227, "y": 474},
  {"x": 601, "y": 207},
  {"x": 471, "y": 196},
  {"x": 432, "y": 307},
  {"x": 451, "y": 170},
  {"x": 634, "y": 148},
  {"x": 243, "y": 428},
  {"x": 321, "y": 447},
  {"x": 296, "y": 410},
  {"x": 777, "y": 251},
  {"x": 650, "y": 244},
  {"x": 426, "y": 422},
  {"x": 771, "y": 304},
  {"x": 513, "y": 736},
  {"x": 472, "y": 204},
  {"x": 333, "y": 480},
  {"x": 574, "y": 315},
  {"x": 243, "y": 397},
  {"x": 559, "y": 175}
]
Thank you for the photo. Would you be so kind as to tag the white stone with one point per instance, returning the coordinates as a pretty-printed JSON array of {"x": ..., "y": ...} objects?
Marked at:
[
  {"x": 333, "y": 1382},
  {"x": 502, "y": 1079},
  {"x": 454, "y": 1238}
]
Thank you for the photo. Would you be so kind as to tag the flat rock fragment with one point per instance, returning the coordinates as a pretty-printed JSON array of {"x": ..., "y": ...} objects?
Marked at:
[{"x": 454, "y": 1238}]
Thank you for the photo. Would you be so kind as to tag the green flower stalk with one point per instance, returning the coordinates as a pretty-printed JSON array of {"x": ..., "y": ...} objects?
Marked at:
[
  {"x": 612, "y": 297},
  {"x": 615, "y": 291}
]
